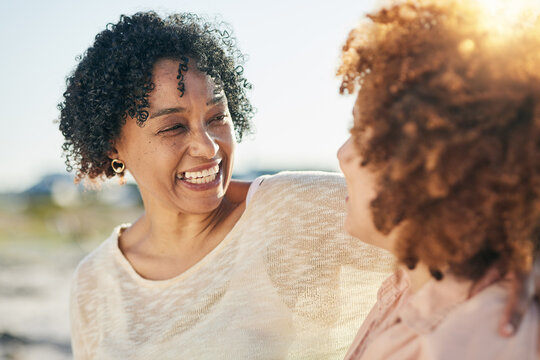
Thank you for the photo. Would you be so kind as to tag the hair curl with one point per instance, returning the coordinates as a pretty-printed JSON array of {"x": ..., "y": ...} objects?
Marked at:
[
  {"x": 449, "y": 122},
  {"x": 114, "y": 78}
]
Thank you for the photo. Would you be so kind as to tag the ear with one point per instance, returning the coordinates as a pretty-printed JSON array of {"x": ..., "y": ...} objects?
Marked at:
[{"x": 113, "y": 152}]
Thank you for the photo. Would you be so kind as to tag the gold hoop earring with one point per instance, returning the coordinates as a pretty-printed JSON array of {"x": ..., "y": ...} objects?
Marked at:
[{"x": 118, "y": 166}]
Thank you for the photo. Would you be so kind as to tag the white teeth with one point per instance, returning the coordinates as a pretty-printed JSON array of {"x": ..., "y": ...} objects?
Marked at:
[
  {"x": 201, "y": 177},
  {"x": 203, "y": 180},
  {"x": 201, "y": 174}
]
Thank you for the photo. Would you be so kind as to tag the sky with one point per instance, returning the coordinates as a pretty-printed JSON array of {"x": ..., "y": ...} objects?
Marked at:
[{"x": 293, "y": 50}]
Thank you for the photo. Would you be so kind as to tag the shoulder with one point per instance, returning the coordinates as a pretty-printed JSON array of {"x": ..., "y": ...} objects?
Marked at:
[
  {"x": 287, "y": 181},
  {"x": 304, "y": 186},
  {"x": 303, "y": 212},
  {"x": 305, "y": 178},
  {"x": 480, "y": 316}
]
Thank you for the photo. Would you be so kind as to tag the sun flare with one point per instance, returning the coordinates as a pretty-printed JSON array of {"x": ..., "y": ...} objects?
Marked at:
[{"x": 503, "y": 17}]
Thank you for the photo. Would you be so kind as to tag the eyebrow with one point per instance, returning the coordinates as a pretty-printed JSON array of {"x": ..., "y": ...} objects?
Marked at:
[
  {"x": 167, "y": 111},
  {"x": 180, "y": 109},
  {"x": 215, "y": 100}
]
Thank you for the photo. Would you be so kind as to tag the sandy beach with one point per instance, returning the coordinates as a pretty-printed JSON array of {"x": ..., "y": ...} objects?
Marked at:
[{"x": 34, "y": 300}]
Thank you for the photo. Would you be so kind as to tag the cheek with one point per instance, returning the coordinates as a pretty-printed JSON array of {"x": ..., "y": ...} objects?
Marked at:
[
  {"x": 228, "y": 149},
  {"x": 155, "y": 157},
  {"x": 224, "y": 135},
  {"x": 359, "y": 222}
]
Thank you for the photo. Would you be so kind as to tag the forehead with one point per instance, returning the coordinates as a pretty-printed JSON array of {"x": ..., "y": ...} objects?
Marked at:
[{"x": 165, "y": 78}]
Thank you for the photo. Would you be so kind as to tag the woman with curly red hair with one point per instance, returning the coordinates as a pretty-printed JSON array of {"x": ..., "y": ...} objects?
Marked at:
[{"x": 447, "y": 135}]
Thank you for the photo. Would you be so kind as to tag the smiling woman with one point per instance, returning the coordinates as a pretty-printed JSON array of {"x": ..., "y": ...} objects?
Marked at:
[
  {"x": 185, "y": 137},
  {"x": 214, "y": 268}
]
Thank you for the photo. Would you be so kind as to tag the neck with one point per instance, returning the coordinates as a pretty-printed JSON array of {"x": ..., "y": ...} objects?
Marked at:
[
  {"x": 418, "y": 277},
  {"x": 164, "y": 231},
  {"x": 167, "y": 233}
]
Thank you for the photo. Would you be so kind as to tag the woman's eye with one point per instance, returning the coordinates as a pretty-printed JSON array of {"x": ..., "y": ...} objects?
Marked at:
[
  {"x": 177, "y": 127},
  {"x": 218, "y": 119}
]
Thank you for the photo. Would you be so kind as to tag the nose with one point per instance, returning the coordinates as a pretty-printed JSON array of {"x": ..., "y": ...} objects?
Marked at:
[
  {"x": 203, "y": 145},
  {"x": 343, "y": 152}
]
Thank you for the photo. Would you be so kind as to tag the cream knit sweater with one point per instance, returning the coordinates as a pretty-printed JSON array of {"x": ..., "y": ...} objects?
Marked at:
[{"x": 285, "y": 283}]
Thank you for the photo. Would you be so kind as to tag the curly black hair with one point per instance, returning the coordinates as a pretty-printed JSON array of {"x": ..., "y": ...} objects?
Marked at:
[{"x": 114, "y": 78}]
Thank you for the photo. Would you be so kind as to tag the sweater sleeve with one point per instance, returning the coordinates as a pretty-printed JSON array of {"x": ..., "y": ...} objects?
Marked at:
[
  {"x": 314, "y": 264},
  {"x": 254, "y": 187}
]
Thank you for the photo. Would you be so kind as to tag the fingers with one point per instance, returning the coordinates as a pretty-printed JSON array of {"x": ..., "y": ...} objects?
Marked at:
[{"x": 520, "y": 296}]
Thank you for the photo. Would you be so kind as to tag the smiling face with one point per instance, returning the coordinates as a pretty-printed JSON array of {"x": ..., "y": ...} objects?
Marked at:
[
  {"x": 182, "y": 157},
  {"x": 361, "y": 191}
]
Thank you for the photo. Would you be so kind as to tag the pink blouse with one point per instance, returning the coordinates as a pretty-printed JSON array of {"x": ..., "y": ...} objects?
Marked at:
[{"x": 439, "y": 321}]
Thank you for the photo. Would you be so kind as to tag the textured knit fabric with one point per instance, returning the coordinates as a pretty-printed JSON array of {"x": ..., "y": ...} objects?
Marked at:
[
  {"x": 440, "y": 322},
  {"x": 285, "y": 283}
]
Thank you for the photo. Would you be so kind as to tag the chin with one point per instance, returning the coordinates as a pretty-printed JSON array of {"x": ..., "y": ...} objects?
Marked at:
[
  {"x": 359, "y": 230},
  {"x": 350, "y": 226},
  {"x": 204, "y": 206}
]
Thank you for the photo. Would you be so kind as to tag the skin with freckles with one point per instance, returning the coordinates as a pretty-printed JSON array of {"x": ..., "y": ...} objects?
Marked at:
[{"x": 183, "y": 220}]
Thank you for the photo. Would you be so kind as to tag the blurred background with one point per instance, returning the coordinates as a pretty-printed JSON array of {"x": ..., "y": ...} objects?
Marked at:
[{"x": 47, "y": 223}]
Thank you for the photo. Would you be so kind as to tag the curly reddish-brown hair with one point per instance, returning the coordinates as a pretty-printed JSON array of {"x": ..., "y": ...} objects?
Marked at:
[{"x": 449, "y": 121}]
